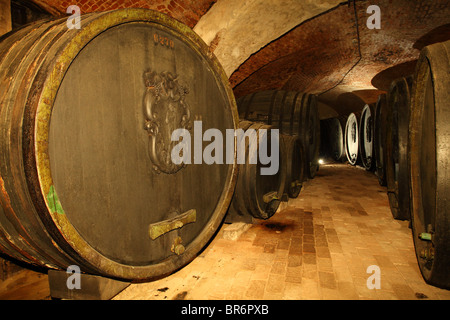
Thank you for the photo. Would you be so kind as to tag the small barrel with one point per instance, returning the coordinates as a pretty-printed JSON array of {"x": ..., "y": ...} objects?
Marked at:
[
  {"x": 397, "y": 179},
  {"x": 428, "y": 158},
  {"x": 257, "y": 194},
  {"x": 365, "y": 140},
  {"x": 351, "y": 139},
  {"x": 294, "y": 113},
  {"x": 332, "y": 139},
  {"x": 379, "y": 138}
]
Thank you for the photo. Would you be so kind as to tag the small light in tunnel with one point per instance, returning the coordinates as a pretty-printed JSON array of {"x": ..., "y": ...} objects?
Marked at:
[{"x": 321, "y": 161}]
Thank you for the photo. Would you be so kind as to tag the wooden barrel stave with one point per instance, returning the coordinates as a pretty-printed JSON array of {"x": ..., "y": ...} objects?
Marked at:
[
  {"x": 380, "y": 127},
  {"x": 292, "y": 155},
  {"x": 311, "y": 133},
  {"x": 27, "y": 226},
  {"x": 246, "y": 178},
  {"x": 398, "y": 101},
  {"x": 238, "y": 203}
]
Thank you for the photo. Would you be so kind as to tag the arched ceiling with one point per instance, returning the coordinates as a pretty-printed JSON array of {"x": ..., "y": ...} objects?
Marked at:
[
  {"x": 317, "y": 46},
  {"x": 238, "y": 28},
  {"x": 336, "y": 56}
]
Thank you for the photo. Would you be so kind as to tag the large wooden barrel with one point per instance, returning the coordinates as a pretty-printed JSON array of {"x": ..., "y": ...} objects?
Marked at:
[
  {"x": 379, "y": 139},
  {"x": 351, "y": 139},
  {"x": 87, "y": 176},
  {"x": 257, "y": 194},
  {"x": 332, "y": 139},
  {"x": 294, "y": 113},
  {"x": 429, "y": 169},
  {"x": 399, "y": 105},
  {"x": 366, "y": 150}
]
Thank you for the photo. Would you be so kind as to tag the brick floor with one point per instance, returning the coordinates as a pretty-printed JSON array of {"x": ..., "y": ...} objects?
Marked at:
[{"x": 317, "y": 246}]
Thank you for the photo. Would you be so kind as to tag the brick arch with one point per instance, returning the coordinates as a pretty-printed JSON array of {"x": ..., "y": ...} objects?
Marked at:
[{"x": 186, "y": 11}]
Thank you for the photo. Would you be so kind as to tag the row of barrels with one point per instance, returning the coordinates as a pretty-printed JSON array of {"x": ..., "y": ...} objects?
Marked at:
[
  {"x": 292, "y": 113},
  {"x": 404, "y": 138},
  {"x": 349, "y": 138},
  {"x": 416, "y": 157},
  {"x": 295, "y": 117}
]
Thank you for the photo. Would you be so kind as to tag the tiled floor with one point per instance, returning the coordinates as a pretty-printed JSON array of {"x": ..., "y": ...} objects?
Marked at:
[{"x": 319, "y": 246}]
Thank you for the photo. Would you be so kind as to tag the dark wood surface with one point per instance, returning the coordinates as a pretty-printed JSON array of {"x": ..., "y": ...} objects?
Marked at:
[
  {"x": 99, "y": 147},
  {"x": 399, "y": 105},
  {"x": 428, "y": 163},
  {"x": 252, "y": 186},
  {"x": 292, "y": 154},
  {"x": 380, "y": 123}
]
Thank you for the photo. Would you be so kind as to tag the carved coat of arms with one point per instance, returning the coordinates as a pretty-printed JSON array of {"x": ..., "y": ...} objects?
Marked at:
[{"x": 165, "y": 110}]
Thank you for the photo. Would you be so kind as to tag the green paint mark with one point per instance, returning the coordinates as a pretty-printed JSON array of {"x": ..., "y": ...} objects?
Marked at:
[
  {"x": 53, "y": 201},
  {"x": 425, "y": 236}
]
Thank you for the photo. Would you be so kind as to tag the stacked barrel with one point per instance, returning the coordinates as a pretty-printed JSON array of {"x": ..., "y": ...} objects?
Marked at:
[
  {"x": 257, "y": 194},
  {"x": 295, "y": 117},
  {"x": 293, "y": 113}
]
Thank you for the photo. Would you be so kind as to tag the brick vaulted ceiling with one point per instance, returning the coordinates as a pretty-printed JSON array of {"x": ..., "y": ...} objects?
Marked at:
[
  {"x": 187, "y": 11},
  {"x": 336, "y": 56},
  {"x": 318, "y": 46}
]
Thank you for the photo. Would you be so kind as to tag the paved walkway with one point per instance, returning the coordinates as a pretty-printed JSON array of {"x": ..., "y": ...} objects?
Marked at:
[{"x": 318, "y": 246}]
